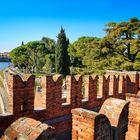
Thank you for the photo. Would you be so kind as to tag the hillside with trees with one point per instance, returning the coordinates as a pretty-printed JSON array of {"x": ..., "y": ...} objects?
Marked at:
[{"x": 118, "y": 50}]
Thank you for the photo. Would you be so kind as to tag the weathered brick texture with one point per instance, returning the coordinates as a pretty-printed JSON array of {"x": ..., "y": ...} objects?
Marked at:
[
  {"x": 74, "y": 88},
  {"x": 109, "y": 124},
  {"x": 134, "y": 117},
  {"x": 21, "y": 96},
  {"x": 89, "y": 125},
  {"x": 131, "y": 80},
  {"x": 53, "y": 95},
  {"x": 116, "y": 111},
  {"x": 29, "y": 129}
]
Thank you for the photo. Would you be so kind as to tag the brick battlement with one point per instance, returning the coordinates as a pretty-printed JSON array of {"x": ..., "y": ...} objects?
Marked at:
[
  {"x": 134, "y": 117},
  {"x": 87, "y": 92},
  {"x": 109, "y": 124}
]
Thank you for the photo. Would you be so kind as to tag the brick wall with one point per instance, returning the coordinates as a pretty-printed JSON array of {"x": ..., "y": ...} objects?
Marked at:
[
  {"x": 22, "y": 96},
  {"x": 116, "y": 111},
  {"x": 134, "y": 117},
  {"x": 131, "y": 80},
  {"x": 109, "y": 124},
  {"x": 89, "y": 125},
  {"x": 28, "y": 128}
]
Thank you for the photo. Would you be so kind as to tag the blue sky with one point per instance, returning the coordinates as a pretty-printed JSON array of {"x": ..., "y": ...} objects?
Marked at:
[{"x": 28, "y": 20}]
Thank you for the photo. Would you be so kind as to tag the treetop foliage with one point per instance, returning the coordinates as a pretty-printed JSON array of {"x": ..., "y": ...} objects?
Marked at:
[
  {"x": 119, "y": 49},
  {"x": 61, "y": 54}
]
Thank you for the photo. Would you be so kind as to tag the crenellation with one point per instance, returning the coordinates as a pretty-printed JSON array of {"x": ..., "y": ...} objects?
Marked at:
[
  {"x": 22, "y": 97},
  {"x": 43, "y": 93},
  {"x": 120, "y": 84},
  {"x": 116, "y": 80},
  {"x": 91, "y": 90},
  {"x": 74, "y": 90},
  {"x": 100, "y": 87},
  {"x": 106, "y": 85},
  {"x": 111, "y": 85},
  {"x": 53, "y": 95},
  {"x": 29, "y": 94}
]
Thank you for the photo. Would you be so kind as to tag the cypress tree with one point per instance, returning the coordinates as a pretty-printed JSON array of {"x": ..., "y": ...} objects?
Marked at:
[
  {"x": 22, "y": 43},
  {"x": 62, "y": 60}
]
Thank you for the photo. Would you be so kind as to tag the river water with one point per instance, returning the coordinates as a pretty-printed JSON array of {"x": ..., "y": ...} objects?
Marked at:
[{"x": 4, "y": 65}]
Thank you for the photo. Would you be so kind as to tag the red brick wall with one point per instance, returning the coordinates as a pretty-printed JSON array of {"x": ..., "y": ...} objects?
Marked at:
[
  {"x": 134, "y": 117},
  {"x": 116, "y": 111},
  {"x": 22, "y": 97},
  {"x": 131, "y": 80},
  {"x": 110, "y": 123},
  {"x": 53, "y": 95},
  {"x": 21, "y": 94},
  {"x": 89, "y": 125}
]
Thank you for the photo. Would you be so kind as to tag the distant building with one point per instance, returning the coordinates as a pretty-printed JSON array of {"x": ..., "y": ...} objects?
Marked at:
[
  {"x": 6, "y": 54},
  {"x": 5, "y": 57}
]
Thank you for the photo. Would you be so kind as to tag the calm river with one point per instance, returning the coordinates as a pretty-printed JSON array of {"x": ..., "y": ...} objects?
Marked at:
[{"x": 4, "y": 65}]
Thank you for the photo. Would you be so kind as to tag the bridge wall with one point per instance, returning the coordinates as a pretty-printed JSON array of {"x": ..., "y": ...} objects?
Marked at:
[{"x": 88, "y": 92}]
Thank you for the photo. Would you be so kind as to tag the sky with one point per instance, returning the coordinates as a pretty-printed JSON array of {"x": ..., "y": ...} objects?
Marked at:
[{"x": 29, "y": 20}]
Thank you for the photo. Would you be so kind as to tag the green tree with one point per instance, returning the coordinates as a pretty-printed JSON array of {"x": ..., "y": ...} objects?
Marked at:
[
  {"x": 49, "y": 66},
  {"x": 61, "y": 54},
  {"x": 30, "y": 56},
  {"x": 22, "y": 43},
  {"x": 50, "y": 44},
  {"x": 126, "y": 36},
  {"x": 35, "y": 56},
  {"x": 123, "y": 42},
  {"x": 36, "y": 53},
  {"x": 84, "y": 55},
  {"x": 20, "y": 58},
  {"x": 119, "y": 50}
]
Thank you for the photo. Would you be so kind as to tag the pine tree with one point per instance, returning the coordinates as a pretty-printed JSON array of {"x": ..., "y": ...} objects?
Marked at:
[{"x": 62, "y": 60}]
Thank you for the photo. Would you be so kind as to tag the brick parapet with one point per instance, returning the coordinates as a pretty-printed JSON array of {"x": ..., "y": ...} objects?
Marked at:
[
  {"x": 89, "y": 125},
  {"x": 22, "y": 95},
  {"x": 134, "y": 117},
  {"x": 132, "y": 80},
  {"x": 116, "y": 111},
  {"x": 110, "y": 123},
  {"x": 28, "y": 128}
]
